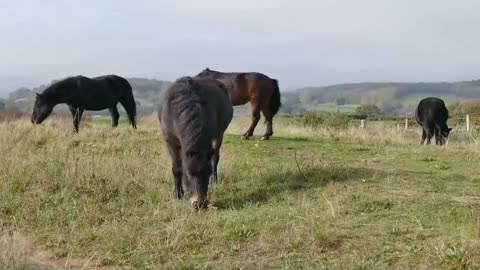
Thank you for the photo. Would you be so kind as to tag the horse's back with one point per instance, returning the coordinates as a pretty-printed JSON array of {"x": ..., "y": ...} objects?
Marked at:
[{"x": 187, "y": 92}]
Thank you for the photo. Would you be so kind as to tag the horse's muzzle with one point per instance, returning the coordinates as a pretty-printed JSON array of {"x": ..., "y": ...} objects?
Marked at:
[{"x": 199, "y": 202}]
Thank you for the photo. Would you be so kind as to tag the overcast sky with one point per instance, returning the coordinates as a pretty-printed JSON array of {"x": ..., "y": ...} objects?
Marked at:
[{"x": 299, "y": 42}]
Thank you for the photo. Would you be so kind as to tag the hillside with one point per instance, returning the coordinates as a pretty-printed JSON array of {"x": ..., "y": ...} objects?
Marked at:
[{"x": 391, "y": 98}]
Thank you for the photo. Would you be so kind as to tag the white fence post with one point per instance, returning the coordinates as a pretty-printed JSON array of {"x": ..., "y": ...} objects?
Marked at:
[
  {"x": 406, "y": 124},
  {"x": 398, "y": 127},
  {"x": 363, "y": 123},
  {"x": 467, "y": 121}
]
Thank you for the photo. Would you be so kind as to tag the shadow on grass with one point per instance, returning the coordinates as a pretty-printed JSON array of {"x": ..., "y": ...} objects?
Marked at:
[{"x": 275, "y": 185}]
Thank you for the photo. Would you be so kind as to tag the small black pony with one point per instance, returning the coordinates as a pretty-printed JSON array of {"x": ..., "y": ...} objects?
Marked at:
[
  {"x": 194, "y": 115},
  {"x": 81, "y": 93}
]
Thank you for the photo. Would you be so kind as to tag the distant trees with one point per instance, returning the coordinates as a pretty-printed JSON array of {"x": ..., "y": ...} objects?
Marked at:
[
  {"x": 2, "y": 105},
  {"x": 394, "y": 108},
  {"x": 20, "y": 93},
  {"x": 471, "y": 107},
  {"x": 340, "y": 101},
  {"x": 368, "y": 110}
]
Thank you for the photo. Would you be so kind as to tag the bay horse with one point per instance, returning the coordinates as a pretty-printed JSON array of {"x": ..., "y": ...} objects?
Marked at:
[
  {"x": 261, "y": 91},
  {"x": 81, "y": 93},
  {"x": 194, "y": 116}
]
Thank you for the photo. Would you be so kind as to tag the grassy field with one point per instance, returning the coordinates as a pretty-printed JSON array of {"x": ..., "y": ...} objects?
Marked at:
[{"x": 308, "y": 199}]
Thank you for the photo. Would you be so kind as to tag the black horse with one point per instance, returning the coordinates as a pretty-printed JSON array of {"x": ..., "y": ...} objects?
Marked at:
[
  {"x": 81, "y": 93},
  {"x": 194, "y": 115},
  {"x": 432, "y": 115}
]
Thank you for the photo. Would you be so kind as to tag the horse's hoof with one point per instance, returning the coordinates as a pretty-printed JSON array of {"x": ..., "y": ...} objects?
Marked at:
[
  {"x": 200, "y": 206},
  {"x": 177, "y": 195},
  {"x": 245, "y": 137},
  {"x": 265, "y": 138}
]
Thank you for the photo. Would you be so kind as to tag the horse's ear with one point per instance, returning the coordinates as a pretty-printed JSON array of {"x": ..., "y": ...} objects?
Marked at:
[{"x": 38, "y": 95}]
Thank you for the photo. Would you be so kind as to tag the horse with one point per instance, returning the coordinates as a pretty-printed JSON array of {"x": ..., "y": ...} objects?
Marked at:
[
  {"x": 261, "y": 91},
  {"x": 194, "y": 116},
  {"x": 81, "y": 93},
  {"x": 432, "y": 115}
]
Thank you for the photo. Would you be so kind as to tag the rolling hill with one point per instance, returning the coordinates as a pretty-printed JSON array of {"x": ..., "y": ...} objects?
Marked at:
[{"x": 392, "y": 98}]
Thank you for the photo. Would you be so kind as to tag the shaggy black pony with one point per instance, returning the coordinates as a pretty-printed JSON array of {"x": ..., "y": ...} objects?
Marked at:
[
  {"x": 432, "y": 115},
  {"x": 194, "y": 115},
  {"x": 81, "y": 93}
]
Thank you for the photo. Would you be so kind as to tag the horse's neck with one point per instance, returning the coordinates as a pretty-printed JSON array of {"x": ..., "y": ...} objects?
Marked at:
[{"x": 57, "y": 97}]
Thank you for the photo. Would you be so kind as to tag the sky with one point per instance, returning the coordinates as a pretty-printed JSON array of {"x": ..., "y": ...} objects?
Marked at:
[{"x": 299, "y": 42}]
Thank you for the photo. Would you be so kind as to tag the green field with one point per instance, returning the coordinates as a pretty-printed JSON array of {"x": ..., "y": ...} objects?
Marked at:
[{"x": 308, "y": 199}]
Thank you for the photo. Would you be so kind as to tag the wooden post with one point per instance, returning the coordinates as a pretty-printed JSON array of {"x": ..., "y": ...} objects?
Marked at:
[
  {"x": 406, "y": 124},
  {"x": 363, "y": 123},
  {"x": 398, "y": 127},
  {"x": 467, "y": 122}
]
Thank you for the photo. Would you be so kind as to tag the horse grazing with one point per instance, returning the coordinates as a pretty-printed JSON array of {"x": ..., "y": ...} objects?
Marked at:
[
  {"x": 81, "y": 93},
  {"x": 432, "y": 115},
  {"x": 195, "y": 114},
  {"x": 262, "y": 92}
]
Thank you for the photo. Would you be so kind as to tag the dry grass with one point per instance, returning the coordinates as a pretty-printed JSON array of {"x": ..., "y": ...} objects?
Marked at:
[{"x": 309, "y": 199}]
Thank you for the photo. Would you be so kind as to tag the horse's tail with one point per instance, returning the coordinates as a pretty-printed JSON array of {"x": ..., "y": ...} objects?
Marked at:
[
  {"x": 126, "y": 97},
  {"x": 275, "y": 102}
]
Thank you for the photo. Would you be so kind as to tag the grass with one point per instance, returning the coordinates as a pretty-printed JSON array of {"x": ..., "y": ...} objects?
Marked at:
[{"x": 308, "y": 199}]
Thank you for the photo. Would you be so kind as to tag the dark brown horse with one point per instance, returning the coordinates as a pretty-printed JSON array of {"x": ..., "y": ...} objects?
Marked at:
[
  {"x": 194, "y": 115},
  {"x": 262, "y": 92}
]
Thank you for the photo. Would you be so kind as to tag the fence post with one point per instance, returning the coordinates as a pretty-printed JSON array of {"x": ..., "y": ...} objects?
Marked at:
[
  {"x": 406, "y": 123},
  {"x": 398, "y": 127},
  {"x": 467, "y": 121},
  {"x": 363, "y": 123}
]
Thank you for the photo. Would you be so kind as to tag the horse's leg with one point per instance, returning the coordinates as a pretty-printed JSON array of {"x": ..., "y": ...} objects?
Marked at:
[
  {"x": 268, "y": 123},
  {"x": 77, "y": 116},
  {"x": 438, "y": 138},
  {"x": 216, "y": 144},
  {"x": 73, "y": 111},
  {"x": 424, "y": 136},
  {"x": 255, "y": 119},
  {"x": 115, "y": 116},
  {"x": 177, "y": 169},
  {"x": 430, "y": 132}
]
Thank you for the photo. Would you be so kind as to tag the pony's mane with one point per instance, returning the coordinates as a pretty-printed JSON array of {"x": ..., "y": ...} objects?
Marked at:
[
  {"x": 187, "y": 106},
  {"x": 57, "y": 89}
]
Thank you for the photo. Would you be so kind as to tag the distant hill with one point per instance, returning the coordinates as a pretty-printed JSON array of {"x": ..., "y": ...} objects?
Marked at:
[{"x": 391, "y": 98}]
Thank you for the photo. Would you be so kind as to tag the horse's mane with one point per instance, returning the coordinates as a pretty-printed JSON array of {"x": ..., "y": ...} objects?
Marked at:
[
  {"x": 57, "y": 89},
  {"x": 187, "y": 107}
]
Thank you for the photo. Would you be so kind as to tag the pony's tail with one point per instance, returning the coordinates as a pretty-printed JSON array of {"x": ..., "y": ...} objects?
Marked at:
[
  {"x": 275, "y": 102},
  {"x": 130, "y": 100},
  {"x": 126, "y": 97}
]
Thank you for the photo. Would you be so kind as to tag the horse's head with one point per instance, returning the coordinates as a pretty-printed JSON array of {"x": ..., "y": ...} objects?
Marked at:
[
  {"x": 205, "y": 73},
  {"x": 198, "y": 169},
  {"x": 444, "y": 135},
  {"x": 41, "y": 109}
]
